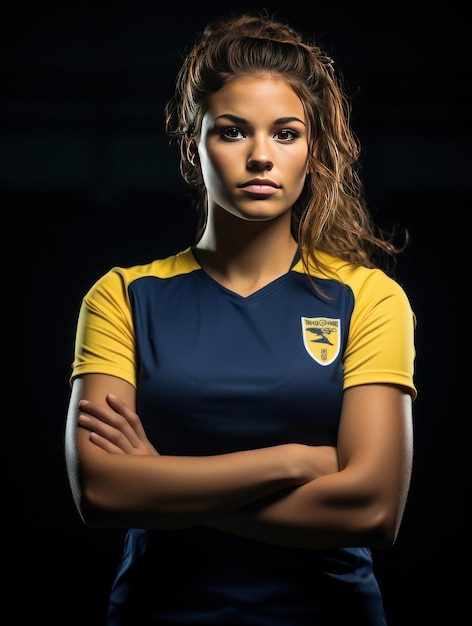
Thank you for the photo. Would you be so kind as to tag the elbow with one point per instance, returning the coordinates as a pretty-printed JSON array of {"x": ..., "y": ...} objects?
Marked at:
[
  {"x": 101, "y": 506},
  {"x": 382, "y": 526},
  {"x": 383, "y": 538},
  {"x": 91, "y": 512},
  {"x": 98, "y": 511},
  {"x": 380, "y": 512},
  {"x": 89, "y": 506},
  {"x": 93, "y": 499},
  {"x": 93, "y": 517},
  {"x": 83, "y": 504}
]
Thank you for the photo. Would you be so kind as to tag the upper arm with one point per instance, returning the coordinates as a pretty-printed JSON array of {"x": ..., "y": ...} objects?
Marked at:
[
  {"x": 79, "y": 450},
  {"x": 375, "y": 445}
]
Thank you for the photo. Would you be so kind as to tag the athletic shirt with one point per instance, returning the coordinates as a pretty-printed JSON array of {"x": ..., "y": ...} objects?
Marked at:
[{"x": 216, "y": 372}]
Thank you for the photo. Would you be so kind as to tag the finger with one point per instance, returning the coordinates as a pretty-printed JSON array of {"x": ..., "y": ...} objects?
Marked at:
[
  {"x": 131, "y": 417},
  {"x": 111, "y": 418},
  {"x": 107, "y": 432},
  {"x": 104, "y": 444}
]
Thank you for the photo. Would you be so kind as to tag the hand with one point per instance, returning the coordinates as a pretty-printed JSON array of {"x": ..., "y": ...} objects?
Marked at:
[{"x": 115, "y": 428}]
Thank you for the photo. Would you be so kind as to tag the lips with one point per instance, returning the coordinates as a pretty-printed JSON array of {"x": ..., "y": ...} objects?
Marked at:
[{"x": 260, "y": 186}]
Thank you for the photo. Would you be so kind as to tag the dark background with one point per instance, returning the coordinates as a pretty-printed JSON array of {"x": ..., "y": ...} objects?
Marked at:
[{"x": 88, "y": 181}]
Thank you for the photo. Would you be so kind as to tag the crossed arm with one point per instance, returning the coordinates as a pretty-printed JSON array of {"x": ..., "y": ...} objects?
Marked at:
[{"x": 292, "y": 494}]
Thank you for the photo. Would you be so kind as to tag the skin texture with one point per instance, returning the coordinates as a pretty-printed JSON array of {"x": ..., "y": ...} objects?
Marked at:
[
  {"x": 247, "y": 242},
  {"x": 254, "y": 129}
]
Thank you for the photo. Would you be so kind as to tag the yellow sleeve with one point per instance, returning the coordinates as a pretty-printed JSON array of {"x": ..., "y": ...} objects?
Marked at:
[
  {"x": 105, "y": 341},
  {"x": 380, "y": 346}
]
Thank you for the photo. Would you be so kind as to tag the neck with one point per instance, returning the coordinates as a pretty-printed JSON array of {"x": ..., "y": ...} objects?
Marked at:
[{"x": 245, "y": 255}]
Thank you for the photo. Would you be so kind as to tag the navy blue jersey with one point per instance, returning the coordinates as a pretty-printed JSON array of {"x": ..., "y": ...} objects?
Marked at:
[{"x": 216, "y": 372}]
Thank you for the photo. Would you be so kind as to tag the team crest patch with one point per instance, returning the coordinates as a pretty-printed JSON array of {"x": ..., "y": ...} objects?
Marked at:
[{"x": 322, "y": 338}]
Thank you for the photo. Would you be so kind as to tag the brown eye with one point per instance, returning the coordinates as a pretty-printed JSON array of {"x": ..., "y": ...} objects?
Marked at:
[
  {"x": 287, "y": 134},
  {"x": 232, "y": 132}
]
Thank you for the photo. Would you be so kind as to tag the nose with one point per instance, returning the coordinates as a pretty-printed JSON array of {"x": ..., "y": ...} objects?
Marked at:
[{"x": 259, "y": 157}]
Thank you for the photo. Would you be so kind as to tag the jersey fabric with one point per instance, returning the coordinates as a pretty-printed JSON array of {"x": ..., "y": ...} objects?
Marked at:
[{"x": 216, "y": 372}]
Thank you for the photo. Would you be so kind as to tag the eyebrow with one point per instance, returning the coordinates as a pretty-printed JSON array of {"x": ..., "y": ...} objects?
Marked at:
[{"x": 241, "y": 120}]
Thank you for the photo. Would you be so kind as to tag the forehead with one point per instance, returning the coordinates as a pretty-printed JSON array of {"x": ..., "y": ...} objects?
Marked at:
[{"x": 256, "y": 97}]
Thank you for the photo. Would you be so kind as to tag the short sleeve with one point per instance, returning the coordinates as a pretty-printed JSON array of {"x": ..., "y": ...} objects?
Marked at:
[
  {"x": 105, "y": 341},
  {"x": 380, "y": 346}
]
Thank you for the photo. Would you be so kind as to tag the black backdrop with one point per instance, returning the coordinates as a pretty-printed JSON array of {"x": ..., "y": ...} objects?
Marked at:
[{"x": 88, "y": 181}]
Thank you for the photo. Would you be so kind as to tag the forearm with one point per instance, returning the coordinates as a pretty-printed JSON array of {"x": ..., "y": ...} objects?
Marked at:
[
  {"x": 176, "y": 492},
  {"x": 119, "y": 479},
  {"x": 332, "y": 511}
]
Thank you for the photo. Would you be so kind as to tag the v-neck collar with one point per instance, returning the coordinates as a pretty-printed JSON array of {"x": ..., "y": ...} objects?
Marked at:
[{"x": 212, "y": 282}]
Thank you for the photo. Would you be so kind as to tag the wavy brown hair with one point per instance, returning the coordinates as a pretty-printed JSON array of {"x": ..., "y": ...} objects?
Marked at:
[{"x": 331, "y": 213}]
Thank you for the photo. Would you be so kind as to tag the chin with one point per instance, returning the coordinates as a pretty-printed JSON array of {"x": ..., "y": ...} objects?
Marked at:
[{"x": 257, "y": 215}]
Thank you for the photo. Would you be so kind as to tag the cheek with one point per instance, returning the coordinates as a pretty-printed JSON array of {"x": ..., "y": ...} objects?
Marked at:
[
  {"x": 296, "y": 171},
  {"x": 218, "y": 166},
  {"x": 214, "y": 169},
  {"x": 298, "y": 167}
]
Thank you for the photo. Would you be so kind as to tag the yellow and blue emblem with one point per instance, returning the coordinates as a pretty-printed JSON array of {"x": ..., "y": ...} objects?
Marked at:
[{"x": 322, "y": 338}]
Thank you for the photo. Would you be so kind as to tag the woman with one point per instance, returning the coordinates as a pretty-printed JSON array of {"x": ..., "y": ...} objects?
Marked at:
[{"x": 244, "y": 407}]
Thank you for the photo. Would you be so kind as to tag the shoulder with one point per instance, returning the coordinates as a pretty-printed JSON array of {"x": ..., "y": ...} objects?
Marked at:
[
  {"x": 381, "y": 346},
  {"x": 118, "y": 279},
  {"x": 362, "y": 281}
]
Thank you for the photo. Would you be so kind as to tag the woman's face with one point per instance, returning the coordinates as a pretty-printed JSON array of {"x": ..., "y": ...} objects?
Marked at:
[{"x": 253, "y": 148}]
